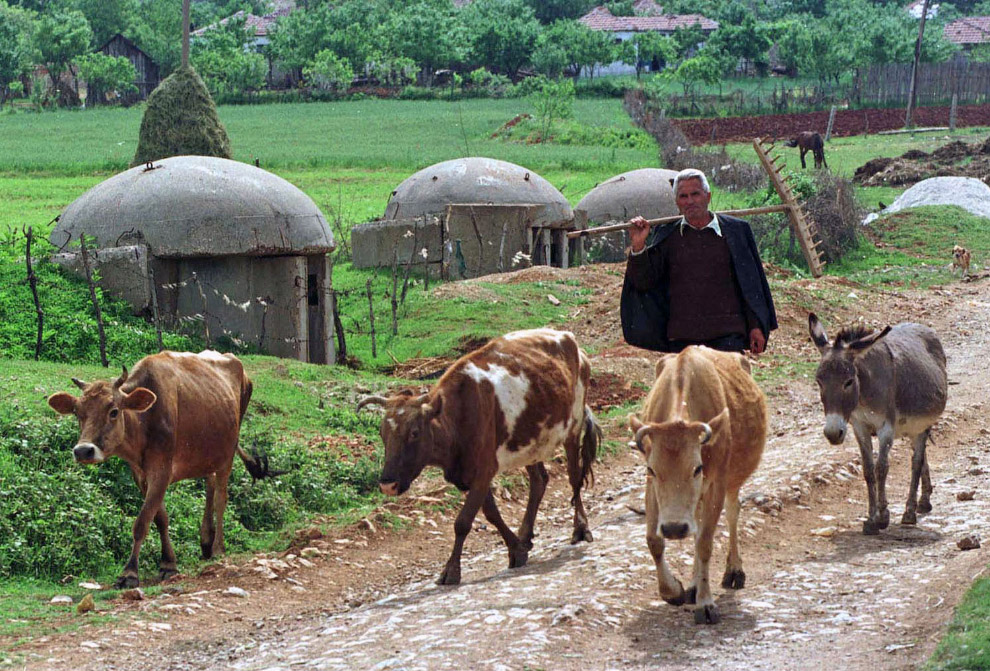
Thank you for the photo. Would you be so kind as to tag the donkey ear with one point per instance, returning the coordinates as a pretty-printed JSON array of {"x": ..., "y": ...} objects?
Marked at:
[
  {"x": 866, "y": 342},
  {"x": 817, "y": 332}
]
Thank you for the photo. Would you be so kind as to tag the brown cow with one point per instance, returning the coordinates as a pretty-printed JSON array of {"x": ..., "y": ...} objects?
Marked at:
[
  {"x": 706, "y": 424},
  {"x": 176, "y": 416},
  {"x": 809, "y": 141},
  {"x": 509, "y": 404}
]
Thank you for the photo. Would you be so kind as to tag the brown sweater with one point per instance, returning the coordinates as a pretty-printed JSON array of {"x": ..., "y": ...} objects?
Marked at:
[{"x": 704, "y": 295}]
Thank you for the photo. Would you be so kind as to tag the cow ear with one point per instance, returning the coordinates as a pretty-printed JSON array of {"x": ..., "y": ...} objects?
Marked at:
[
  {"x": 661, "y": 363},
  {"x": 744, "y": 363},
  {"x": 719, "y": 424},
  {"x": 860, "y": 346},
  {"x": 817, "y": 332},
  {"x": 138, "y": 400},
  {"x": 62, "y": 403}
]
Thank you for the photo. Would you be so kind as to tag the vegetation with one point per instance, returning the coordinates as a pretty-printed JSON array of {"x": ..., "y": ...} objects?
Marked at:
[{"x": 965, "y": 645}]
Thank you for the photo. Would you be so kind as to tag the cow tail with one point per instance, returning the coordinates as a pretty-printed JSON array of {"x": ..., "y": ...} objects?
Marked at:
[
  {"x": 256, "y": 463},
  {"x": 590, "y": 441}
]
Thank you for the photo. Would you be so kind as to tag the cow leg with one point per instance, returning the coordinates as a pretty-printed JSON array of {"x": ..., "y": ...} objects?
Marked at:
[
  {"x": 735, "y": 577},
  {"x": 910, "y": 515},
  {"x": 671, "y": 589},
  {"x": 538, "y": 478},
  {"x": 451, "y": 574},
  {"x": 208, "y": 529},
  {"x": 885, "y": 439},
  {"x": 925, "y": 502},
  {"x": 153, "y": 502},
  {"x": 220, "y": 505},
  {"x": 518, "y": 552},
  {"x": 870, "y": 526},
  {"x": 167, "y": 567},
  {"x": 576, "y": 478},
  {"x": 706, "y": 612}
]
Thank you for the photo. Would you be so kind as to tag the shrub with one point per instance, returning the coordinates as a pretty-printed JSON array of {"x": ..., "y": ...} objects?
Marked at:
[{"x": 329, "y": 72}]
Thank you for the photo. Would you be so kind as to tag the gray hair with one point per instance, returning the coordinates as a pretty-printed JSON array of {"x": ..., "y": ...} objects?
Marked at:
[{"x": 692, "y": 173}]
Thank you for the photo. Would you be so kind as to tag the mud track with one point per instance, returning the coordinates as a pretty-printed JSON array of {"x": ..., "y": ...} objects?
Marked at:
[{"x": 818, "y": 594}]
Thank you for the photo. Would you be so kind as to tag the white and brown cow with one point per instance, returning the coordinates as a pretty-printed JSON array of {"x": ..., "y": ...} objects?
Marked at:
[
  {"x": 176, "y": 416},
  {"x": 509, "y": 404},
  {"x": 703, "y": 435}
]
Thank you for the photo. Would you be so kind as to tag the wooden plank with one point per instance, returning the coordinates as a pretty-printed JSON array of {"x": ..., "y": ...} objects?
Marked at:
[{"x": 611, "y": 228}]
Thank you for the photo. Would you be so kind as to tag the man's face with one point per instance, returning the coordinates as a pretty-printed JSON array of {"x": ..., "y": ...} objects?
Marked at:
[{"x": 692, "y": 200}]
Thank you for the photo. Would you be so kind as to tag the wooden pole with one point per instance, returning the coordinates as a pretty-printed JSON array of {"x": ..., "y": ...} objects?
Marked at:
[
  {"x": 33, "y": 282},
  {"x": 831, "y": 121},
  {"x": 611, "y": 228},
  {"x": 96, "y": 303},
  {"x": 913, "y": 92},
  {"x": 371, "y": 318}
]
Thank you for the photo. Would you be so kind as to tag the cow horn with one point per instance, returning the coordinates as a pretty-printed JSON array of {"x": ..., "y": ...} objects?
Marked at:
[
  {"x": 708, "y": 433},
  {"x": 640, "y": 434},
  {"x": 122, "y": 379},
  {"x": 371, "y": 400},
  {"x": 79, "y": 383}
]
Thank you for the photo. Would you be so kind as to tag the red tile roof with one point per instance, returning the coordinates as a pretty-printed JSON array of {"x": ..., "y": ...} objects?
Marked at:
[
  {"x": 969, "y": 30},
  {"x": 600, "y": 18},
  {"x": 259, "y": 26}
]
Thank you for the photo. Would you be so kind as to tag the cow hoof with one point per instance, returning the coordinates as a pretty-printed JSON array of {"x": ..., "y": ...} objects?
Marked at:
[
  {"x": 909, "y": 517},
  {"x": 678, "y": 600},
  {"x": 166, "y": 573},
  {"x": 924, "y": 506},
  {"x": 734, "y": 579},
  {"x": 126, "y": 582},
  {"x": 870, "y": 528},
  {"x": 518, "y": 558},
  {"x": 450, "y": 576},
  {"x": 706, "y": 614},
  {"x": 581, "y": 535}
]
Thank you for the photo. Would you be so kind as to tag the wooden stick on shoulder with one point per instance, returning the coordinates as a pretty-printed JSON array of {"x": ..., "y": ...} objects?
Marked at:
[{"x": 610, "y": 228}]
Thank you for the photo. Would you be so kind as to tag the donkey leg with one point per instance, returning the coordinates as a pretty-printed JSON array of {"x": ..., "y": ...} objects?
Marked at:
[
  {"x": 910, "y": 515},
  {"x": 925, "y": 502},
  {"x": 885, "y": 438},
  {"x": 865, "y": 440}
]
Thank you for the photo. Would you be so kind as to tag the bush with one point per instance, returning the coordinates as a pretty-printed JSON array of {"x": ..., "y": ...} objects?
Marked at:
[
  {"x": 328, "y": 72},
  {"x": 602, "y": 87}
]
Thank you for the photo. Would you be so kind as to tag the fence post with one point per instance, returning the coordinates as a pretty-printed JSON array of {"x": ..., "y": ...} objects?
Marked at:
[
  {"x": 338, "y": 328},
  {"x": 202, "y": 297},
  {"x": 371, "y": 317},
  {"x": 395, "y": 290},
  {"x": 831, "y": 121},
  {"x": 96, "y": 303},
  {"x": 154, "y": 306},
  {"x": 33, "y": 281},
  {"x": 952, "y": 113}
]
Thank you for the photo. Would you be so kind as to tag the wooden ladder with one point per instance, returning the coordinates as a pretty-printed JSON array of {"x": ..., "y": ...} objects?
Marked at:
[{"x": 804, "y": 229}]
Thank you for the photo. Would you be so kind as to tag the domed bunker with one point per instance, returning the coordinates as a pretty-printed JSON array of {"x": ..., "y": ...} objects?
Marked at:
[
  {"x": 198, "y": 237},
  {"x": 470, "y": 217},
  {"x": 645, "y": 193}
]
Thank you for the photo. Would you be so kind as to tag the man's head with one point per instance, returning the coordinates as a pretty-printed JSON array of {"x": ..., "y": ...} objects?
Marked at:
[{"x": 693, "y": 195}]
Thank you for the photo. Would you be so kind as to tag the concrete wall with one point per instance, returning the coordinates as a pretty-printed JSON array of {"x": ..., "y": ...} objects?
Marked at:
[
  {"x": 504, "y": 230},
  {"x": 373, "y": 245},
  {"x": 123, "y": 272}
]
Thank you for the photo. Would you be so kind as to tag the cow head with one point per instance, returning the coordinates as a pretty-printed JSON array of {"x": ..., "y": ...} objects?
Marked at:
[
  {"x": 837, "y": 380},
  {"x": 676, "y": 457},
  {"x": 407, "y": 432},
  {"x": 101, "y": 413}
]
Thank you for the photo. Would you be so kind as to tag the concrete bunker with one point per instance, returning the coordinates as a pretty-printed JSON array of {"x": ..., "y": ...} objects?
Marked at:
[
  {"x": 645, "y": 192},
  {"x": 469, "y": 217},
  {"x": 216, "y": 240}
]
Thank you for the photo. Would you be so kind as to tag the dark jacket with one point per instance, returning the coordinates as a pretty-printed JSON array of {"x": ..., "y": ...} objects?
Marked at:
[{"x": 644, "y": 313}]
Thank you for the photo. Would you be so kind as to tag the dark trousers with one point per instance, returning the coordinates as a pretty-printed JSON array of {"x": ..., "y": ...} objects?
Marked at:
[{"x": 734, "y": 342}]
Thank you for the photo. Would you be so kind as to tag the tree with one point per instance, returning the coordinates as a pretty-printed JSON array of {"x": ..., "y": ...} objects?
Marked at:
[
  {"x": 223, "y": 63},
  {"x": 548, "y": 11},
  {"x": 329, "y": 72},
  {"x": 648, "y": 49},
  {"x": 60, "y": 38},
  {"x": 106, "y": 17},
  {"x": 501, "y": 33},
  {"x": 687, "y": 40},
  {"x": 16, "y": 30},
  {"x": 104, "y": 75},
  {"x": 553, "y": 101},
  {"x": 156, "y": 27},
  {"x": 702, "y": 69},
  {"x": 299, "y": 36},
  {"x": 430, "y": 33},
  {"x": 742, "y": 38}
]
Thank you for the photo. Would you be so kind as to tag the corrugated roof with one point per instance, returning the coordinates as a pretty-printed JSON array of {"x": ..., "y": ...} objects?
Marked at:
[
  {"x": 969, "y": 30},
  {"x": 600, "y": 18}
]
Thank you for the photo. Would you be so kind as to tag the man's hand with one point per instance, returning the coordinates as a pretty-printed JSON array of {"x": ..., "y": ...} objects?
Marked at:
[
  {"x": 757, "y": 343},
  {"x": 638, "y": 233}
]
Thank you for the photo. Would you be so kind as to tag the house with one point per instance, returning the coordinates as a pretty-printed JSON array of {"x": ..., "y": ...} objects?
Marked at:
[
  {"x": 969, "y": 31},
  {"x": 148, "y": 75},
  {"x": 649, "y": 17},
  {"x": 258, "y": 29}
]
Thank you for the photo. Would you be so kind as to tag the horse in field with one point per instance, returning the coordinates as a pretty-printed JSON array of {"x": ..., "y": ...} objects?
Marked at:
[{"x": 809, "y": 141}]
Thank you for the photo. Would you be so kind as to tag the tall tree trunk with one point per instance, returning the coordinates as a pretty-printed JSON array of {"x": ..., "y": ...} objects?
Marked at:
[
  {"x": 913, "y": 91},
  {"x": 185, "y": 33}
]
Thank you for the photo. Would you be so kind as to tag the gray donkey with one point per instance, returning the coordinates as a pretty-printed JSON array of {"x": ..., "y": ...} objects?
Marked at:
[{"x": 888, "y": 384}]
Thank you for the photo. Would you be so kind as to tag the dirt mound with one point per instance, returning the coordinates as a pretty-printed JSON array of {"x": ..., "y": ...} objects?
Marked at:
[{"x": 955, "y": 159}]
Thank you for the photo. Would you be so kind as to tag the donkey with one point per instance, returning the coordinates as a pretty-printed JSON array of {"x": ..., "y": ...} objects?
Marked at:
[
  {"x": 888, "y": 383},
  {"x": 809, "y": 141}
]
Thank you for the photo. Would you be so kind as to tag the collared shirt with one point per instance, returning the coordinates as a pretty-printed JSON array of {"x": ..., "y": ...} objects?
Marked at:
[{"x": 713, "y": 224}]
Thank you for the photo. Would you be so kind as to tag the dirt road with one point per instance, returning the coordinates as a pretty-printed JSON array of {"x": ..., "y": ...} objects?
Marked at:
[{"x": 819, "y": 594}]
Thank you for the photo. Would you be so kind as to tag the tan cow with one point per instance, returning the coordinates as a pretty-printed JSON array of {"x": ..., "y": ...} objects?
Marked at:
[
  {"x": 706, "y": 424},
  {"x": 176, "y": 416}
]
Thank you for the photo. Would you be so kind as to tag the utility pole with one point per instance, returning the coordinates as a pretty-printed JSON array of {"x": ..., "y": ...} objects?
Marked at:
[
  {"x": 185, "y": 32},
  {"x": 913, "y": 91}
]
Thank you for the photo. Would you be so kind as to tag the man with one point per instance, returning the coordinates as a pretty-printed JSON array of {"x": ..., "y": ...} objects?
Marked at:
[{"x": 698, "y": 281}]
